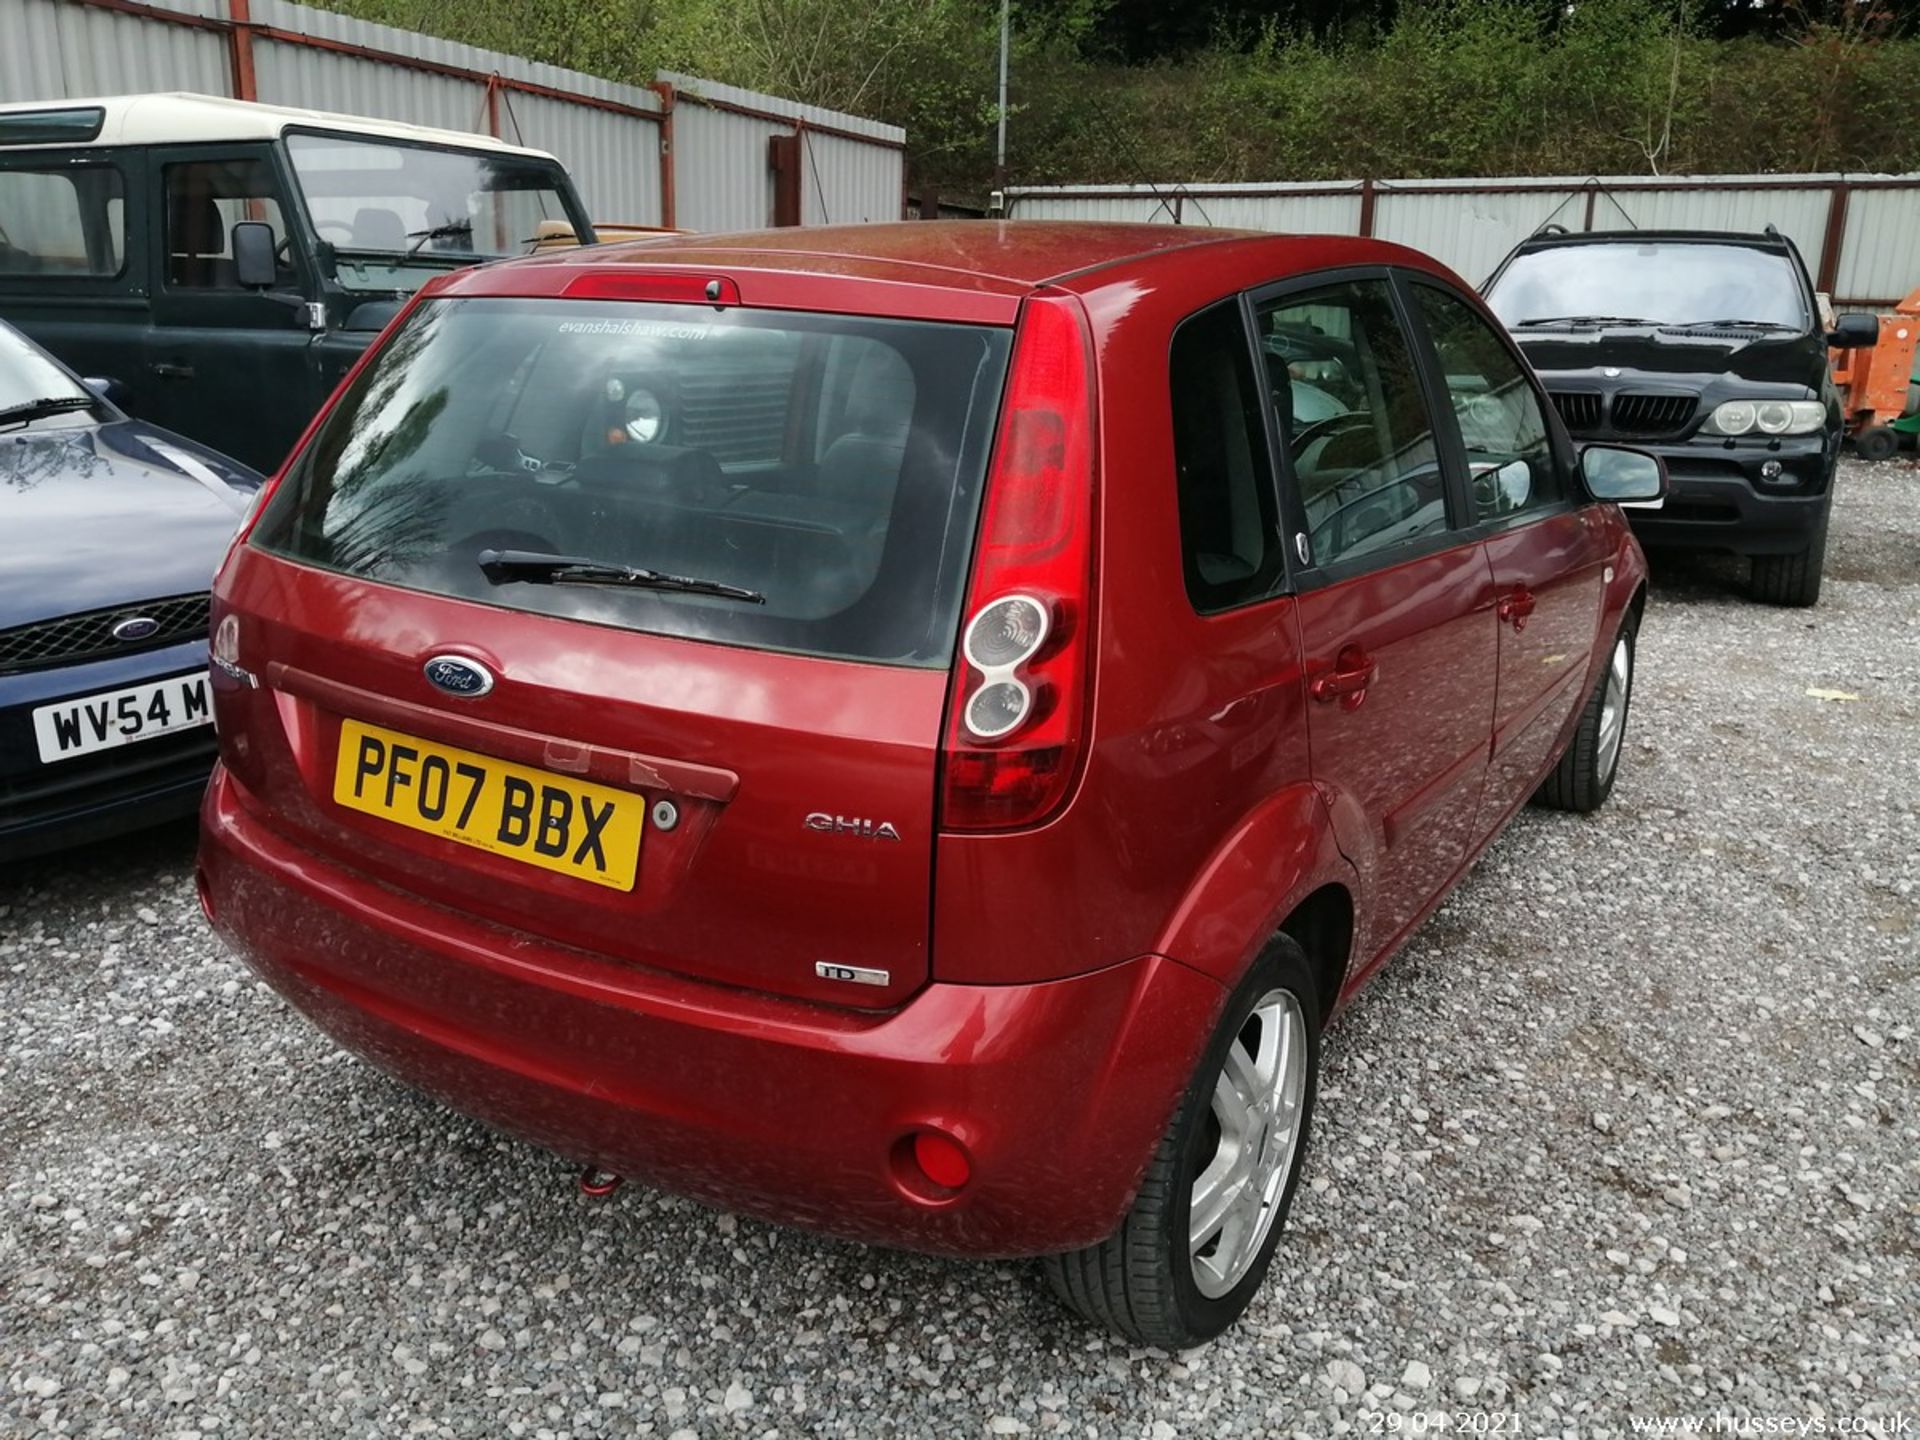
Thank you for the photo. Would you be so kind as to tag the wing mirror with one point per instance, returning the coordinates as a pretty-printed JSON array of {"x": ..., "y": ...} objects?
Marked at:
[
  {"x": 1626, "y": 477},
  {"x": 1855, "y": 332},
  {"x": 253, "y": 254},
  {"x": 108, "y": 389}
]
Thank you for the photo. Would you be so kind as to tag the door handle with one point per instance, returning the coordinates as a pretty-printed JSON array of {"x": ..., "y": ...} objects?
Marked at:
[
  {"x": 1353, "y": 671},
  {"x": 173, "y": 369},
  {"x": 1514, "y": 608}
]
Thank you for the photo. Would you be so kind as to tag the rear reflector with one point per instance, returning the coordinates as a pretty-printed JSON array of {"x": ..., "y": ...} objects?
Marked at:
[{"x": 941, "y": 1159}]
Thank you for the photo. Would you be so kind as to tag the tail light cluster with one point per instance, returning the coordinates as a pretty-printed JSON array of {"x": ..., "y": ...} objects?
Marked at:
[{"x": 1015, "y": 717}]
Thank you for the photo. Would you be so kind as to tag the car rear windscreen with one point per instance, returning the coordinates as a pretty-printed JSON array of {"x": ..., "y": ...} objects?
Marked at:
[{"x": 829, "y": 464}]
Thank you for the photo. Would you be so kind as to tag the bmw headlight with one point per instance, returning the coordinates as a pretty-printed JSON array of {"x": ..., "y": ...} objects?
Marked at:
[{"x": 1766, "y": 417}]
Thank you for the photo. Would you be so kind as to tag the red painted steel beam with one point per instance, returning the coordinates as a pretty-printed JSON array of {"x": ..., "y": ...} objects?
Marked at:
[
  {"x": 669, "y": 97},
  {"x": 730, "y": 108},
  {"x": 1835, "y": 238},
  {"x": 365, "y": 52},
  {"x": 240, "y": 49}
]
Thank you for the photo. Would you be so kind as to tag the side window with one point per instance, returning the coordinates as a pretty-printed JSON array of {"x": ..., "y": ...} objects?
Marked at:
[
  {"x": 1348, "y": 399},
  {"x": 1229, "y": 523},
  {"x": 68, "y": 222},
  {"x": 205, "y": 200},
  {"x": 1509, "y": 458}
]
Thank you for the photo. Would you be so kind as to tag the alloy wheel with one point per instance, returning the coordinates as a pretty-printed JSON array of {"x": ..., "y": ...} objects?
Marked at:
[
  {"x": 1613, "y": 707},
  {"x": 1251, "y": 1137}
]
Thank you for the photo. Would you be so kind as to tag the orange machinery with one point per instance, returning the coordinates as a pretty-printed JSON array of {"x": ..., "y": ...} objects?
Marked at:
[{"x": 1874, "y": 382}]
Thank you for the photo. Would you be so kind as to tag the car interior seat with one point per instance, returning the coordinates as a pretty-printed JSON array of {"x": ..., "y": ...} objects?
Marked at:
[
  {"x": 862, "y": 466},
  {"x": 197, "y": 243},
  {"x": 377, "y": 228}
]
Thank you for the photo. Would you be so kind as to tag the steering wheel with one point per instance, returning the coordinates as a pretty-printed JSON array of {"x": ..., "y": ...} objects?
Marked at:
[
  {"x": 285, "y": 247},
  {"x": 1481, "y": 414},
  {"x": 1332, "y": 425}
]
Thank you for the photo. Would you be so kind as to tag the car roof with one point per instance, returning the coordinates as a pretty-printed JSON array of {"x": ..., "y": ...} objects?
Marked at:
[
  {"x": 1020, "y": 252},
  {"x": 184, "y": 118},
  {"x": 967, "y": 269},
  {"x": 1772, "y": 240}
]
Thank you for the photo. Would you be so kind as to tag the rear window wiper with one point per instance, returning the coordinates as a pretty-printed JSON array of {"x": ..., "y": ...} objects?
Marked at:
[
  {"x": 533, "y": 567},
  {"x": 46, "y": 405},
  {"x": 1580, "y": 320}
]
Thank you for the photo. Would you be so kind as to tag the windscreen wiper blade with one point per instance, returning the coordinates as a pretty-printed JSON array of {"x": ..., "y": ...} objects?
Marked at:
[
  {"x": 1731, "y": 324},
  {"x": 438, "y": 232},
  {"x": 1545, "y": 320},
  {"x": 534, "y": 567},
  {"x": 46, "y": 405}
]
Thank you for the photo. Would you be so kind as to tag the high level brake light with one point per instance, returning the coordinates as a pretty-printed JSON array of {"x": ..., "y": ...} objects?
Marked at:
[{"x": 1018, "y": 703}]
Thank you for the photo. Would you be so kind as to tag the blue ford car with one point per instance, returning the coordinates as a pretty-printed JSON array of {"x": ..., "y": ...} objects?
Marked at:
[{"x": 109, "y": 534}]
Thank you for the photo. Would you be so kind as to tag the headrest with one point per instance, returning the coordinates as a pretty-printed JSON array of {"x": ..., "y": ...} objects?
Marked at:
[
  {"x": 377, "y": 229},
  {"x": 880, "y": 404},
  {"x": 193, "y": 226}
]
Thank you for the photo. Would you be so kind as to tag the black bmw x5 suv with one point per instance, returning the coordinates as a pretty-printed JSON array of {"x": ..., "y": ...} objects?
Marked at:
[{"x": 1708, "y": 350}]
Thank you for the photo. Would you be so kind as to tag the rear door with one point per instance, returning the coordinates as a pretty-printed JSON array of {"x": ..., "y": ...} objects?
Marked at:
[
  {"x": 1395, "y": 599},
  {"x": 1548, "y": 549},
  {"x": 737, "y": 786},
  {"x": 230, "y": 367}
]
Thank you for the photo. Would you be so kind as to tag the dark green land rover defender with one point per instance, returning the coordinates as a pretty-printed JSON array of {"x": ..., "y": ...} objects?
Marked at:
[{"x": 222, "y": 264}]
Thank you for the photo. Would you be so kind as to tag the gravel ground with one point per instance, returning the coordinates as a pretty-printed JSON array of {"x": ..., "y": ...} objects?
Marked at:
[{"x": 1633, "y": 1129}]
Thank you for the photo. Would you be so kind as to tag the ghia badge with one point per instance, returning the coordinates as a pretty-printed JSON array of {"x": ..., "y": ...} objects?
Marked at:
[
  {"x": 849, "y": 825},
  {"x": 457, "y": 675}
]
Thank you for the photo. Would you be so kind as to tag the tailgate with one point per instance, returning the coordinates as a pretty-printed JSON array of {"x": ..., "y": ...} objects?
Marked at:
[{"x": 776, "y": 811}]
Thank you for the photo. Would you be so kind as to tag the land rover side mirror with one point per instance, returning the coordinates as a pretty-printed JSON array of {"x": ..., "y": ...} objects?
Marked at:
[
  {"x": 1855, "y": 332},
  {"x": 1627, "y": 477},
  {"x": 253, "y": 247}
]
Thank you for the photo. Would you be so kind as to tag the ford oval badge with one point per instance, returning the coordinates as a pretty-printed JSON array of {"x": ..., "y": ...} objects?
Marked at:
[
  {"x": 457, "y": 675},
  {"x": 134, "y": 628}
]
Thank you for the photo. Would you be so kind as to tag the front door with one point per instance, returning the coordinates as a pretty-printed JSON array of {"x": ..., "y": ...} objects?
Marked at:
[
  {"x": 1396, "y": 601},
  {"x": 1548, "y": 550},
  {"x": 231, "y": 367}
]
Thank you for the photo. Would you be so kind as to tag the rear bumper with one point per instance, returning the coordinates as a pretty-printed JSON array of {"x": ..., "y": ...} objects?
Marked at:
[
  {"x": 775, "y": 1108},
  {"x": 1717, "y": 498}
]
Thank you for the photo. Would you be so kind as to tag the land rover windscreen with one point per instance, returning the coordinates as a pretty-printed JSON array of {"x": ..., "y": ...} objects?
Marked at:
[{"x": 390, "y": 214}]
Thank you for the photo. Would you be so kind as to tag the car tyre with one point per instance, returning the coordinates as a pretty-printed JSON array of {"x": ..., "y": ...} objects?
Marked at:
[
  {"x": 1792, "y": 580},
  {"x": 1876, "y": 442},
  {"x": 1154, "y": 1281},
  {"x": 1584, "y": 776}
]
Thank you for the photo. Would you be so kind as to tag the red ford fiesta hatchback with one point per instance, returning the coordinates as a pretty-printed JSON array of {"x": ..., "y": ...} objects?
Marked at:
[{"x": 911, "y": 730}]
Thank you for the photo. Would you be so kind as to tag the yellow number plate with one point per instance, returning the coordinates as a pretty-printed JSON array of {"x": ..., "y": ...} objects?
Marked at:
[{"x": 568, "y": 826}]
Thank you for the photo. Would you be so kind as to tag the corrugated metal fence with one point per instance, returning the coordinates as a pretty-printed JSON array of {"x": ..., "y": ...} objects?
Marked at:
[
  {"x": 679, "y": 152},
  {"x": 1856, "y": 232}
]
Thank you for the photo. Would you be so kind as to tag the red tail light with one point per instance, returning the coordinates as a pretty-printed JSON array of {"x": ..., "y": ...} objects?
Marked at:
[{"x": 1018, "y": 705}]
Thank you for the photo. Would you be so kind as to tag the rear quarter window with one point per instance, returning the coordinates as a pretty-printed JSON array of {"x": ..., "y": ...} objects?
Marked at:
[
  {"x": 831, "y": 464},
  {"x": 67, "y": 223},
  {"x": 1223, "y": 471}
]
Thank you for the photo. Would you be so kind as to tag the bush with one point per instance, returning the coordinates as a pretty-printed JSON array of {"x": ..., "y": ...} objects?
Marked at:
[{"x": 1449, "y": 88}]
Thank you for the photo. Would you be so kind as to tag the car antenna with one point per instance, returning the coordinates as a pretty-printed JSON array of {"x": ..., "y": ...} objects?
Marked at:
[{"x": 1167, "y": 204}]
